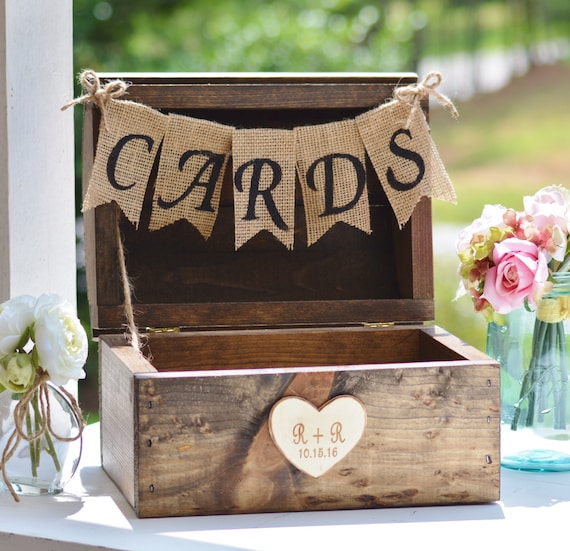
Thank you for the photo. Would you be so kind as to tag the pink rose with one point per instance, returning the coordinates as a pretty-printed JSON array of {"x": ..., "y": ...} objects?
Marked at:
[{"x": 519, "y": 273}]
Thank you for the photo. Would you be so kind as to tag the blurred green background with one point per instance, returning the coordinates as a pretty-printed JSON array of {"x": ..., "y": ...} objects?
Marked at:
[{"x": 505, "y": 65}]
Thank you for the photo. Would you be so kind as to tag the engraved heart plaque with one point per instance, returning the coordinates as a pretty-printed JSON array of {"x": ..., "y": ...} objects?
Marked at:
[{"x": 313, "y": 439}]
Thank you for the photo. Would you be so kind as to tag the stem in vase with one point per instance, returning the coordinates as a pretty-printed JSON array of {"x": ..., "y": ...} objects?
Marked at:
[
  {"x": 32, "y": 445},
  {"x": 561, "y": 410}
]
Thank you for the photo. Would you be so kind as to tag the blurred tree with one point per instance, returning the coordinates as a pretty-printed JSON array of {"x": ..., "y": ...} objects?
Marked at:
[
  {"x": 228, "y": 35},
  {"x": 300, "y": 35}
]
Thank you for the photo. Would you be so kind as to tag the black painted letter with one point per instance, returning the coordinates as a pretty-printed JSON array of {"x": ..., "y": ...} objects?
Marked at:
[
  {"x": 114, "y": 157},
  {"x": 328, "y": 166},
  {"x": 216, "y": 160},
  {"x": 410, "y": 156},
  {"x": 257, "y": 166}
]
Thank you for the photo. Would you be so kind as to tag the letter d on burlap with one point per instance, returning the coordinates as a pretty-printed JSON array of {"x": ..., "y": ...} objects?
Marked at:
[
  {"x": 330, "y": 163},
  {"x": 127, "y": 147}
]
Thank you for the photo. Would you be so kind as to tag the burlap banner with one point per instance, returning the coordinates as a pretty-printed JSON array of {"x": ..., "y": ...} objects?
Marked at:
[
  {"x": 127, "y": 148},
  {"x": 404, "y": 156},
  {"x": 330, "y": 160},
  {"x": 192, "y": 163},
  {"x": 264, "y": 181}
]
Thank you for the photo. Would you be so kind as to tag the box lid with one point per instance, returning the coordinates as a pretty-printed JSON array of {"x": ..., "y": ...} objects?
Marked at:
[{"x": 182, "y": 280}]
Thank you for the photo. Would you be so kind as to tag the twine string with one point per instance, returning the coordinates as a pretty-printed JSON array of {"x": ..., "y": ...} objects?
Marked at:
[
  {"x": 97, "y": 94},
  {"x": 412, "y": 95},
  {"x": 39, "y": 387},
  {"x": 133, "y": 333}
]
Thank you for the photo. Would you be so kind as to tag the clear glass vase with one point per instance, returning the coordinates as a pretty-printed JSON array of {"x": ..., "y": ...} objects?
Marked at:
[
  {"x": 533, "y": 350},
  {"x": 42, "y": 466}
]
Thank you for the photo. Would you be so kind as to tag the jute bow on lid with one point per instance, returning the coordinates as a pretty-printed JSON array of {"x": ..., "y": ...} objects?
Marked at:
[
  {"x": 97, "y": 94},
  {"x": 412, "y": 95}
]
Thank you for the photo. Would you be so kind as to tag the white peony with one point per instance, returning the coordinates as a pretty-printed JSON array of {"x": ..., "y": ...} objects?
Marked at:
[
  {"x": 61, "y": 342},
  {"x": 16, "y": 319}
]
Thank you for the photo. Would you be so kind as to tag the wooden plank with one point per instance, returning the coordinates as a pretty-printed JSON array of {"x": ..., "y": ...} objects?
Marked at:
[
  {"x": 431, "y": 438},
  {"x": 262, "y": 91},
  {"x": 119, "y": 432},
  {"x": 268, "y": 348},
  {"x": 268, "y": 314},
  {"x": 273, "y": 96},
  {"x": 306, "y": 347},
  {"x": 152, "y": 79}
]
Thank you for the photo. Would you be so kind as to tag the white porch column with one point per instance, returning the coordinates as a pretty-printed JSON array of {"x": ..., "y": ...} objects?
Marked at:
[{"x": 37, "y": 226}]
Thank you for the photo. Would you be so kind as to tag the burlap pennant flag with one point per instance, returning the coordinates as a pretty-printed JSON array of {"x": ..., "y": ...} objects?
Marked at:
[
  {"x": 192, "y": 164},
  {"x": 264, "y": 182},
  {"x": 398, "y": 140},
  {"x": 128, "y": 144},
  {"x": 331, "y": 167}
]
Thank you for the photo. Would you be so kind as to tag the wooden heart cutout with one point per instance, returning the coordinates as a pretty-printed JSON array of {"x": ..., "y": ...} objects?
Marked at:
[{"x": 313, "y": 439}]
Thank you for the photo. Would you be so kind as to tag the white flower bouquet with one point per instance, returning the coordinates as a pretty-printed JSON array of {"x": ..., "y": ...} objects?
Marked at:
[{"x": 40, "y": 340}]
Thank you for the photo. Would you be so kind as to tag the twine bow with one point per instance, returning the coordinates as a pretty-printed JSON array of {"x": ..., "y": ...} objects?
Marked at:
[
  {"x": 44, "y": 422},
  {"x": 97, "y": 94},
  {"x": 412, "y": 95}
]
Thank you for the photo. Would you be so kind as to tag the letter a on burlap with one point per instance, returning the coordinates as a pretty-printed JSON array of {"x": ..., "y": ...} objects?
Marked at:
[
  {"x": 264, "y": 184},
  {"x": 404, "y": 157},
  {"x": 127, "y": 147},
  {"x": 331, "y": 168},
  {"x": 190, "y": 173}
]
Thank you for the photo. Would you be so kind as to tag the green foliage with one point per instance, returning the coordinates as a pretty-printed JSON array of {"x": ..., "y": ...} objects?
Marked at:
[
  {"x": 300, "y": 35},
  {"x": 230, "y": 35}
]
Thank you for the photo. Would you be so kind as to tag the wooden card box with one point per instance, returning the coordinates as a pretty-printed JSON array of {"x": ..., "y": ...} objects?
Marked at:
[{"x": 186, "y": 432}]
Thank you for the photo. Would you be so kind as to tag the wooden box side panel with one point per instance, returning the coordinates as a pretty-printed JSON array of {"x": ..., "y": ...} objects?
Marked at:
[
  {"x": 119, "y": 435},
  {"x": 432, "y": 437}
]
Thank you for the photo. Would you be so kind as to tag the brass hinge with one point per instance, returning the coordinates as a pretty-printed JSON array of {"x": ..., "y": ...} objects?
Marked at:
[
  {"x": 378, "y": 324},
  {"x": 155, "y": 330}
]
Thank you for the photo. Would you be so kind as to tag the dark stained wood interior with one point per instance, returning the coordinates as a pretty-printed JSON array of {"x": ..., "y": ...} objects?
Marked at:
[{"x": 179, "y": 279}]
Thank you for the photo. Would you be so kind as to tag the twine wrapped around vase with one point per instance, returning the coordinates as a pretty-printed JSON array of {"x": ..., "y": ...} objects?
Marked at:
[
  {"x": 39, "y": 387},
  {"x": 552, "y": 309}
]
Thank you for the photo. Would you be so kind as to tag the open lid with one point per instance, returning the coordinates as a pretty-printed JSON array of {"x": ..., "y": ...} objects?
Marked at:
[{"x": 182, "y": 281}]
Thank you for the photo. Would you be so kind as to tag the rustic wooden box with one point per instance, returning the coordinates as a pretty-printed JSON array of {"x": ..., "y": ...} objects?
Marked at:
[{"x": 186, "y": 433}]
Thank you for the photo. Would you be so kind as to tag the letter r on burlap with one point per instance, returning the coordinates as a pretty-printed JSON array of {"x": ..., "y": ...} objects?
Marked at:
[{"x": 264, "y": 184}]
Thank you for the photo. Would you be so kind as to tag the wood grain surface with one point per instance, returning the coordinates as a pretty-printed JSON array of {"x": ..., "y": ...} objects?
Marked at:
[{"x": 201, "y": 441}]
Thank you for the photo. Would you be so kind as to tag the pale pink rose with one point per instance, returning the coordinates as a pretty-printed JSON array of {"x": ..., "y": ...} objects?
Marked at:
[
  {"x": 492, "y": 216},
  {"x": 520, "y": 272},
  {"x": 549, "y": 206},
  {"x": 550, "y": 211}
]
